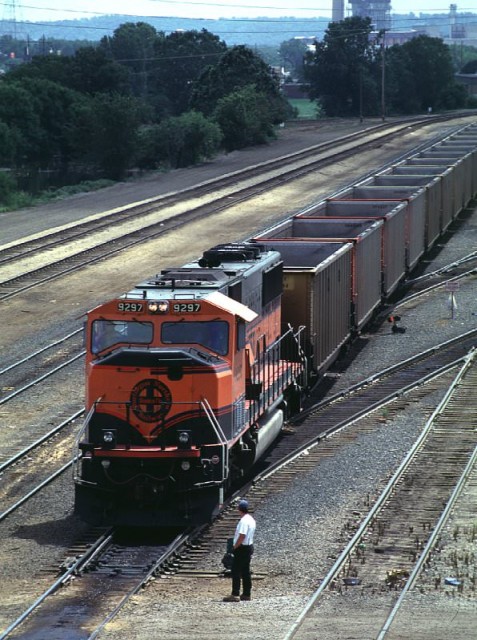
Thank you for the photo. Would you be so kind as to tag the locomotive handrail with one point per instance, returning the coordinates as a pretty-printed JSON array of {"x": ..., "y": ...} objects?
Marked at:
[
  {"x": 266, "y": 368},
  {"x": 206, "y": 408},
  {"x": 77, "y": 458},
  {"x": 204, "y": 403}
]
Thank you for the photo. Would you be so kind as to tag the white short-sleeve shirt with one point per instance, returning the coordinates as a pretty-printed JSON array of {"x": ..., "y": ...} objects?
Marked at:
[{"x": 246, "y": 525}]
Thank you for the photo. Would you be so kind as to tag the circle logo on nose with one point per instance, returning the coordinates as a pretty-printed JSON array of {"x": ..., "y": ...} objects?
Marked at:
[{"x": 151, "y": 400}]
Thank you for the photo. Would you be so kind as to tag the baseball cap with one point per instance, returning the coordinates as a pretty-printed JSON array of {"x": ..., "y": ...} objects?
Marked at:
[{"x": 243, "y": 505}]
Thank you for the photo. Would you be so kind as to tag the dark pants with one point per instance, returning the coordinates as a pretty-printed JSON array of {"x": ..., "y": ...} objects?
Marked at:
[{"x": 241, "y": 570}]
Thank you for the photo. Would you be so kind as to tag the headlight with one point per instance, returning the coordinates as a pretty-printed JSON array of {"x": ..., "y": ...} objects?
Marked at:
[
  {"x": 185, "y": 465},
  {"x": 184, "y": 439},
  {"x": 109, "y": 438},
  {"x": 158, "y": 306}
]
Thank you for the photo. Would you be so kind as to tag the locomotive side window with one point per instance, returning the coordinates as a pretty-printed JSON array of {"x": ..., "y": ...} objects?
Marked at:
[
  {"x": 214, "y": 334},
  {"x": 106, "y": 333}
]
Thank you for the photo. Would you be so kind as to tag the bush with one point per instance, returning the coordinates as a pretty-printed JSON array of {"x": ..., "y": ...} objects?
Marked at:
[
  {"x": 179, "y": 141},
  {"x": 7, "y": 189},
  {"x": 245, "y": 117}
]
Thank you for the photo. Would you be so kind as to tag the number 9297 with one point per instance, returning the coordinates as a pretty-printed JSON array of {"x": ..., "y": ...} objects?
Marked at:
[{"x": 186, "y": 307}]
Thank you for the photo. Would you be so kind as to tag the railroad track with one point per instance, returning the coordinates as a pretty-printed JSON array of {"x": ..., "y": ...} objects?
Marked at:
[
  {"x": 391, "y": 545},
  {"x": 298, "y": 451},
  {"x": 21, "y": 250},
  {"x": 127, "y": 575},
  {"x": 184, "y": 571},
  {"x": 329, "y": 415},
  {"x": 20, "y": 375},
  {"x": 37, "y": 408},
  {"x": 151, "y": 222},
  {"x": 101, "y": 579},
  {"x": 319, "y": 420},
  {"x": 132, "y": 573}
]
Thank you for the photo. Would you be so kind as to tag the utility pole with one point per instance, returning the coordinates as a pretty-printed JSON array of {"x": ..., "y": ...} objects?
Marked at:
[
  {"x": 10, "y": 16},
  {"x": 383, "y": 66},
  {"x": 361, "y": 94}
]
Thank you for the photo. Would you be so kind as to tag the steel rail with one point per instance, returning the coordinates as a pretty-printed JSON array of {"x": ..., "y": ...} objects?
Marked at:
[
  {"x": 383, "y": 373},
  {"x": 433, "y": 287},
  {"x": 180, "y": 219},
  {"x": 178, "y": 542},
  {"x": 40, "y": 351},
  {"x": 75, "y": 567},
  {"x": 46, "y": 375},
  {"x": 380, "y": 502},
  {"x": 355, "y": 417},
  {"x": 448, "y": 267},
  {"x": 34, "y": 491},
  {"x": 430, "y": 543},
  {"x": 128, "y": 211},
  {"x": 40, "y": 441}
]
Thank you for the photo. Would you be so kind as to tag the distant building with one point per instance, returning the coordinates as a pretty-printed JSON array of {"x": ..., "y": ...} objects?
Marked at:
[
  {"x": 295, "y": 91},
  {"x": 378, "y": 10},
  {"x": 337, "y": 11},
  {"x": 454, "y": 27},
  {"x": 400, "y": 37}
]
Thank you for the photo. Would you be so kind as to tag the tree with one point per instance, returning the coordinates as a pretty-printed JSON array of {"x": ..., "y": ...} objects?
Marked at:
[
  {"x": 17, "y": 111},
  {"x": 48, "y": 67},
  {"x": 180, "y": 59},
  {"x": 92, "y": 71},
  {"x": 113, "y": 132},
  {"x": 428, "y": 76},
  {"x": 244, "y": 117},
  {"x": 239, "y": 67},
  {"x": 88, "y": 71},
  {"x": 133, "y": 46},
  {"x": 7, "y": 188},
  {"x": 470, "y": 67},
  {"x": 7, "y": 146},
  {"x": 179, "y": 141},
  {"x": 461, "y": 55},
  {"x": 401, "y": 94},
  {"x": 343, "y": 70},
  {"x": 52, "y": 104},
  {"x": 292, "y": 55}
]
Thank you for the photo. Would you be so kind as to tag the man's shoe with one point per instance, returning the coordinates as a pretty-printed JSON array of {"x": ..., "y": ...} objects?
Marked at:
[
  {"x": 246, "y": 598},
  {"x": 231, "y": 598}
]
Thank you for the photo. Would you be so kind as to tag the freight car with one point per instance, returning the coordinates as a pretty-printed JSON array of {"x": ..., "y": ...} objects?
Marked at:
[{"x": 191, "y": 375}]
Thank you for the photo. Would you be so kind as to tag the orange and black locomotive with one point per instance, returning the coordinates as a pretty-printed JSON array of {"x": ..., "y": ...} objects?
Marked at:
[{"x": 189, "y": 378}]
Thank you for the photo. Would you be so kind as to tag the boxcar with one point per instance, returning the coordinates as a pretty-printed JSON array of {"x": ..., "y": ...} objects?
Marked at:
[
  {"x": 432, "y": 186},
  {"x": 393, "y": 231},
  {"x": 317, "y": 294},
  {"x": 365, "y": 237},
  {"x": 415, "y": 202}
]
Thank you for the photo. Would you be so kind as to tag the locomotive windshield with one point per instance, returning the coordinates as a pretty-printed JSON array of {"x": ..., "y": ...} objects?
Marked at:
[
  {"x": 106, "y": 333},
  {"x": 213, "y": 335}
]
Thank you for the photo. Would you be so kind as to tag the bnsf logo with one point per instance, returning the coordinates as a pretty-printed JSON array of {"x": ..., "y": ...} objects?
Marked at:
[{"x": 151, "y": 400}]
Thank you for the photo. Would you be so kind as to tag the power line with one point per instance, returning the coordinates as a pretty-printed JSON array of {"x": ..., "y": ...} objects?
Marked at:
[{"x": 435, "y": 11}]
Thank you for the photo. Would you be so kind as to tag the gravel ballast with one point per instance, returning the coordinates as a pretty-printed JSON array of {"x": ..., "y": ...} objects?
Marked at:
[{"x": 299, "y": 531}]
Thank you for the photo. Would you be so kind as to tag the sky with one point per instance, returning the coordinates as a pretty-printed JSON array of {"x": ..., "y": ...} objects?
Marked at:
[{"x": 49, "y": 10}]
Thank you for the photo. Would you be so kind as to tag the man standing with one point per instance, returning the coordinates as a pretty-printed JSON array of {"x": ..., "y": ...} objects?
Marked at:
[{"x": 243, "y": 549}]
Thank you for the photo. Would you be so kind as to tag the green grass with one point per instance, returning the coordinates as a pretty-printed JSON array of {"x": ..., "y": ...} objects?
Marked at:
[
  {"x": 14, "y": 200},
  {"x": 306, "y": 109}
]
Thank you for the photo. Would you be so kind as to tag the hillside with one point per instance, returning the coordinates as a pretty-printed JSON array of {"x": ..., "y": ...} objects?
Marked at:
[
  {"x": 264, "y": 31},
  {"x": 259, "y": 31}
]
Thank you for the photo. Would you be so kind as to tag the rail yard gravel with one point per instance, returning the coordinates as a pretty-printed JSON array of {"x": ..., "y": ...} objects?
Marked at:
[{"x": 301, "y": 530}]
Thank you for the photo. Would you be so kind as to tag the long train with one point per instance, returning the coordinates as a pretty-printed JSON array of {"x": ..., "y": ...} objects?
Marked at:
[{"x": 191, "y": 375}]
